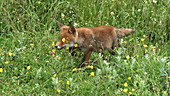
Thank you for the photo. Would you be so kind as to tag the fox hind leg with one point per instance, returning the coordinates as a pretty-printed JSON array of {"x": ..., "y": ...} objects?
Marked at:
[{"x": 110, "y": 51}]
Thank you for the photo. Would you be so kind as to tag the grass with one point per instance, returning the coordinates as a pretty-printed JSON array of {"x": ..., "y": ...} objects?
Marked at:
[{"x": 28, "y": 30}]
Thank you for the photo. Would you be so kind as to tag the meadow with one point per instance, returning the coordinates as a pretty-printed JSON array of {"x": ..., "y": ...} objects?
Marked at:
[{"x": 30, "y": 65}]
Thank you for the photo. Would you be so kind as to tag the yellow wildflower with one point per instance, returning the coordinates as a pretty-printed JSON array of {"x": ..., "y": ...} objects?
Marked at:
[
  {"x": 145, "y": 45},
  {"x": 59, "y": 58},
  {"x": 54, "y": 51},
  {"x": 108, "y": 76},
  {"x": 92, "y": 74},
  {"x": 10, "y": 54},
  {"x": 127, "y": 57},
  {"x": 54, "y": 75},
  {"x": 130, "y": 93},
  {"x": 125, "y": 85},
  {"x": 129, "y": 78},
  {"x": 53, "y": 44},
  {"x": 90, "y": 67},
  {"x": 153, "y": 47},
  {"x": 32, "y": 45},
  {"x": 146, "y": 51},
  {"x": 13, "y": 11},
  {"x": 60, "y": 81},
  {"x": 67, "y": 48},
  {"x": 75, "y": 45},
  {"x": 136, "y": 56},
  {"x": 38, "y": 2},
  {"x": 75, "y": 69},
  {"x": 53, "y": 55},
  {"x": 1, "y": 69},
  {"x": 142, "y": 39},
  {"x": 68, "y": 82},
  {"x": 6, "y": 62},
  {"x": 169, "y": 77},
  {"x": 28, "y": 67},
  {"x": 47, "y": 61},
  {"x": 125, "y": 90},
  {"x": 133, "y": 90},
  {"x": 64, "y": 39},
  {"x": 124, "y": 41},
  {"x": 58, "y": 90}
]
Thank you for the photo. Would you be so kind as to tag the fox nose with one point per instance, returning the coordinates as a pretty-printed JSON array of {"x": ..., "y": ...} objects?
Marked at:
[{"x": 58, "y": 47}]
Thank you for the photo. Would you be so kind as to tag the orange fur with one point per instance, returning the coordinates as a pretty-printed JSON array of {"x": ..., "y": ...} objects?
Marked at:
[{"x": 91, "y": 38}]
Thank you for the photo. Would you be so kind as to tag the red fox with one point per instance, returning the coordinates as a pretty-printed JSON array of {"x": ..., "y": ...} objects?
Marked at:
[{"x": 91, "y": 38}]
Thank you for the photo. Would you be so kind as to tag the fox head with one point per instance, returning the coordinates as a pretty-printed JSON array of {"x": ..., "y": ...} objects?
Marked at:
[{"x": 67, "y": 36}]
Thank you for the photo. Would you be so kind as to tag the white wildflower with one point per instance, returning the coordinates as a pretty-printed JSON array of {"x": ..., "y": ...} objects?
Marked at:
[
  {"x": 62, "y": 15},
  {"x": 139, "y": 10},
  {"x": 75, "y": 24},
  {"x": 112, "y": 13},
  {"x": 154, "y": 1}
]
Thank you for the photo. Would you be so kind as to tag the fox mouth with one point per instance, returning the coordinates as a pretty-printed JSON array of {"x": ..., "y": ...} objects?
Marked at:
[
  {"x": 59, "y": 47},
  {"x": 66, "y": 45}
]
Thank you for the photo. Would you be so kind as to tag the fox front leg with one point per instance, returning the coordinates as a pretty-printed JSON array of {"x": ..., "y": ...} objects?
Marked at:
[{"x": 86, "y": 58}]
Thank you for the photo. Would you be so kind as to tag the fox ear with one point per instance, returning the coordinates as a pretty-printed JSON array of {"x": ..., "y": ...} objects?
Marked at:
[
  {"x": 72, "y": 30},
  {"x": 60, "y": 24}
]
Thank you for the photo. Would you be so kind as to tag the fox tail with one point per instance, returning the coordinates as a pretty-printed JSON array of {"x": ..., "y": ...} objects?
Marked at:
[{"x": 122, "y": 32}]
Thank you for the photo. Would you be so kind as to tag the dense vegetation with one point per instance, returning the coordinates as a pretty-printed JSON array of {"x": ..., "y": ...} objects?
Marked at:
[{"x": 30, "y": 65}]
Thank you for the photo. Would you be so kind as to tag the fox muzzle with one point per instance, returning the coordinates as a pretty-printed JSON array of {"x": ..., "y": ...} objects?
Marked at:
[{"x": 58, "y": 47}]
